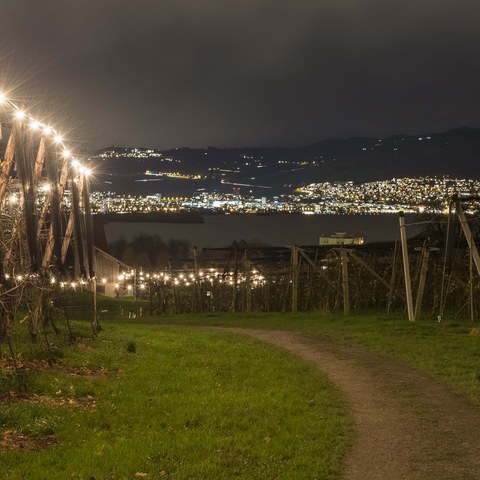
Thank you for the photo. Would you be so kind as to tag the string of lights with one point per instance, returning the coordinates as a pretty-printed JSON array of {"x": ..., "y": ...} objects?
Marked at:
[
  {"x": 185, "y": 278},
  {"x": 46, "y": 130}
]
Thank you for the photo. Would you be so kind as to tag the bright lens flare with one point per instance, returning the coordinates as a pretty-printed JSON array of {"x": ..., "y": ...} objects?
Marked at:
[
  {"x": 3, "y": 98},
  {"x": 58, "y": 139},
  {"x": 20, "y": 115}
]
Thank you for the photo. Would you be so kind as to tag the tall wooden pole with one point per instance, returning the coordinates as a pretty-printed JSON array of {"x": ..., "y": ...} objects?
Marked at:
[{"x": 406, "y": 268}]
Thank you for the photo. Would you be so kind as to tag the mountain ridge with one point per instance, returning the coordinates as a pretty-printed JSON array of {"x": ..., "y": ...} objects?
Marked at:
[{"x": 453, "y": 153}]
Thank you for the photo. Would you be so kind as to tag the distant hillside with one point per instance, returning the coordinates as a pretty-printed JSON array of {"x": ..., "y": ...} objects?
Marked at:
[{"x": 454, "y": 153}]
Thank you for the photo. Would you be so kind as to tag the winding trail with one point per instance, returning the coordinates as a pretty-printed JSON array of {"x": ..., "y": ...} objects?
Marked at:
[{"x": 407, "y": 425}]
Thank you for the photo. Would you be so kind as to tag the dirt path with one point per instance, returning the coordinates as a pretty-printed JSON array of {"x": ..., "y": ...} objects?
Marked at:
[{"x": 407, "y": 426}]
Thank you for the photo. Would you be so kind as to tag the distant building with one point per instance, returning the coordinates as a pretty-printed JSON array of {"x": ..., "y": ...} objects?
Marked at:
[
  {"x": 107, "y": 270},
  {"x": 341, "y": 238}
]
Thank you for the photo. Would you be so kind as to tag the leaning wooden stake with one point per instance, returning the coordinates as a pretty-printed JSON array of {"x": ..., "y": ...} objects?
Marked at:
[
  {"x": 406, "y": 268},
  {"x": 467, "y": 232},
  {"x": 421, "y": 283}
]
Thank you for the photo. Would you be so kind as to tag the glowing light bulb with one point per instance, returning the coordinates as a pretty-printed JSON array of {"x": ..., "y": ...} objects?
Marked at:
[
  {"x": 76, "y": 163},
  {"x": 66, "y": 153},
  {"x": 35, "y": 125},
  {"x": 3, "y": 98},
  {"x": 20, "y": 115},
  {"x": 58, "y": 139},
  {"x": 48, "y": 130}
]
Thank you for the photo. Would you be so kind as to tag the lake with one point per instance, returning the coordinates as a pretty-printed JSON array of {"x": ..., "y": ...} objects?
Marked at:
[{"x": 275, "y": 230}]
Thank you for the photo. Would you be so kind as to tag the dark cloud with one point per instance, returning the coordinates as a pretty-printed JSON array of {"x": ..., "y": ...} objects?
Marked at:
[{"x": 251, "y": 72}]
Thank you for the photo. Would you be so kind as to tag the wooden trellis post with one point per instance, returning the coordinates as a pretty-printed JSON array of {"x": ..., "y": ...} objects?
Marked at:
[
  {"x": 467, "y": 232},
  {"x": 248, "y": 285},
  {"x": 421, "y": 282},
  {"x": 406, "y": 268},
  {"x": 294, "y": 279}
]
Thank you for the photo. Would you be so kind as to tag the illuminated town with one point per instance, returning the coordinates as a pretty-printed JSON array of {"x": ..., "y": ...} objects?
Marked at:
[{"x": 411, "y": 195}]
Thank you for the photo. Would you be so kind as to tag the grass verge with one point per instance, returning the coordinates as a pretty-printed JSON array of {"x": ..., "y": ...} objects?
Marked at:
[
  {"x": 173, "y": 403},
  {"x": 443, "y": 350}
]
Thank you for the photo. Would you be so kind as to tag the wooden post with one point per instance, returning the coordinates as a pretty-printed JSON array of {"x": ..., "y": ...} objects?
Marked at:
[
  {"x": 391, "y": 289},
  {"x": 467, "y": 232},
  {"x": 7, "y": 164},
  {"x": 294, "y": 279},
  {"x": 345, "y": 285},
  {"x": 174, "y": 290},
  {"x": 47, "y": 255},
  {"x": 40, "y": 160},
  {"x": 198, "y": 301},
  {"x": 406, "y": 268},
  {"x": 95, "y": 325},
  {"x": 248, "y": 286},
  {"x": 421, "y": 282},
  {"x": 235, "y": 276},
  {"x": 471, "y": 286},
  {"x": 69, "y": 230}
]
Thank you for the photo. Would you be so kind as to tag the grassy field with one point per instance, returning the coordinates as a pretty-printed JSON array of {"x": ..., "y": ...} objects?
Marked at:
[
  {"x": 151, "y": 398},
  {"x": 443, "y": 350},
  {"x": 147, "y": 402}
]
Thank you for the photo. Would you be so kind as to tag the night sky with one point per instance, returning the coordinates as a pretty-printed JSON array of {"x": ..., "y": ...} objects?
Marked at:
[{"x": 242, "y": 73}]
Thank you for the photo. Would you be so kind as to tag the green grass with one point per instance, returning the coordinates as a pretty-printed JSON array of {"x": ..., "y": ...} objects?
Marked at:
[
  {"x": 178, "y": 403},
  {"x": 443, "y": 350}
]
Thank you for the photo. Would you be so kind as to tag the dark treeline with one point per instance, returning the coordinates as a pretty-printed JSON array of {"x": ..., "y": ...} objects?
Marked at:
[{"x": 150, "y": 251}]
